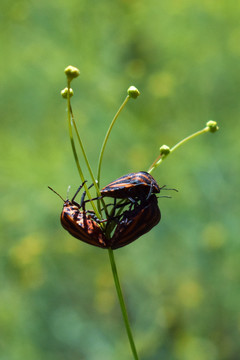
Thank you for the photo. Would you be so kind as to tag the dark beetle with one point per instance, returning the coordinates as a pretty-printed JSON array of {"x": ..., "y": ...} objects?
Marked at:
[
  {"x": 137, "y": 222},
  {"x": 138, "y": 185},
  {"x": 81, "y": 224},
  {"x": 140, "y": 218}
]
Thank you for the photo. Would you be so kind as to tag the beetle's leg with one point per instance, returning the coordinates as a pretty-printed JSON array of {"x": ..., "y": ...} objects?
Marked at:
[{"x": 78, "y": 192}]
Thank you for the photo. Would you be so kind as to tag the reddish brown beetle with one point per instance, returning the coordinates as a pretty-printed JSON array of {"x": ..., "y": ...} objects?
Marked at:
[
  {"x": 138, "y": 185},
  {"x": 80, "y": 223},
  {"x": 131, "y": 224},
  {"x": 137, "y": 222}
]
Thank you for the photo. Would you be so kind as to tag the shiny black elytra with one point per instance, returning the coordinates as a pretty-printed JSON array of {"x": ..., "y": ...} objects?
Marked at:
[{"x": 134, "y": 186}]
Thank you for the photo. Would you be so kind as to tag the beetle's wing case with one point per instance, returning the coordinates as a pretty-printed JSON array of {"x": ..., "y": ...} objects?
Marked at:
[
  {"x": 136, "y": 222},
  {"x": 131, "y": 185},
  {"x": 82, "y": 226}
]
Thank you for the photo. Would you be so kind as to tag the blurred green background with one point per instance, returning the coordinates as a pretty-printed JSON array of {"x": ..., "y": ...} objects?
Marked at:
[{"x": 181, "y": 280}]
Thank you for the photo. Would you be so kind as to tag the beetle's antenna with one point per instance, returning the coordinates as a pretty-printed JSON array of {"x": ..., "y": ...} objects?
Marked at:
[
  {"x": 56, "y": 193},
  {"x": 165, "y": 188}
]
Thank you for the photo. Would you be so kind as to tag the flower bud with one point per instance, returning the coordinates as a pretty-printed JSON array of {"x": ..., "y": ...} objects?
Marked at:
[
  {"x": 133, "y": 92},
  {"x": 212, "y": 125},
  {"x": 164, "y": 150},
  {"x": 71, "y": 72},
  {"x": 64, "y": 93}
]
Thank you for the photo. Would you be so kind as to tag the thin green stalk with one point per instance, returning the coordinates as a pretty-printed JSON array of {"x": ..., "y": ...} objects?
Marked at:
[
  {"x": 122, "y": 304},
  {"x": 70, "y": 125},
  {"x": 161, "y": 157},
  {"x": 84, "y": 154},
  {"x": 190, "y": 137},
  {"x": 107, "y": 136},
  {"x": 89, "y": 168}
]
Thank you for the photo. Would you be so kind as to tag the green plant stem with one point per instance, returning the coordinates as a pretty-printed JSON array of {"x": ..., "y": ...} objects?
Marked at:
[
  {"x": 161, "y": 157},
  {"x": 122, "y": 303},
  {"x": 98, "y": 213},
  {"x": 70, "y": 126},
  {"x": 107, "y": 136},
  {"x": 85, "y": 155}
]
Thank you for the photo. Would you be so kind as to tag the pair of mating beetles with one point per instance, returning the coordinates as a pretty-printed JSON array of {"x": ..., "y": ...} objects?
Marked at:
[{"x": 142, "y": 215}]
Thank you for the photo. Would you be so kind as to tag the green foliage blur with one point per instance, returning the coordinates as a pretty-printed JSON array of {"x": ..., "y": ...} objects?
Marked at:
[{"x": 181, "y": 280}]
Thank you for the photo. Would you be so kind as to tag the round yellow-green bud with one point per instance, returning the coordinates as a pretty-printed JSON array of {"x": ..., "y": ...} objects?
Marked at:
[
  {"x": 72, "y": 72},
  {"x": 64, "y": 92},
  {"x": 164, "y": 150},
  {"x": 212, "y": 125},
  {"x": 133, "y": 92}
]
